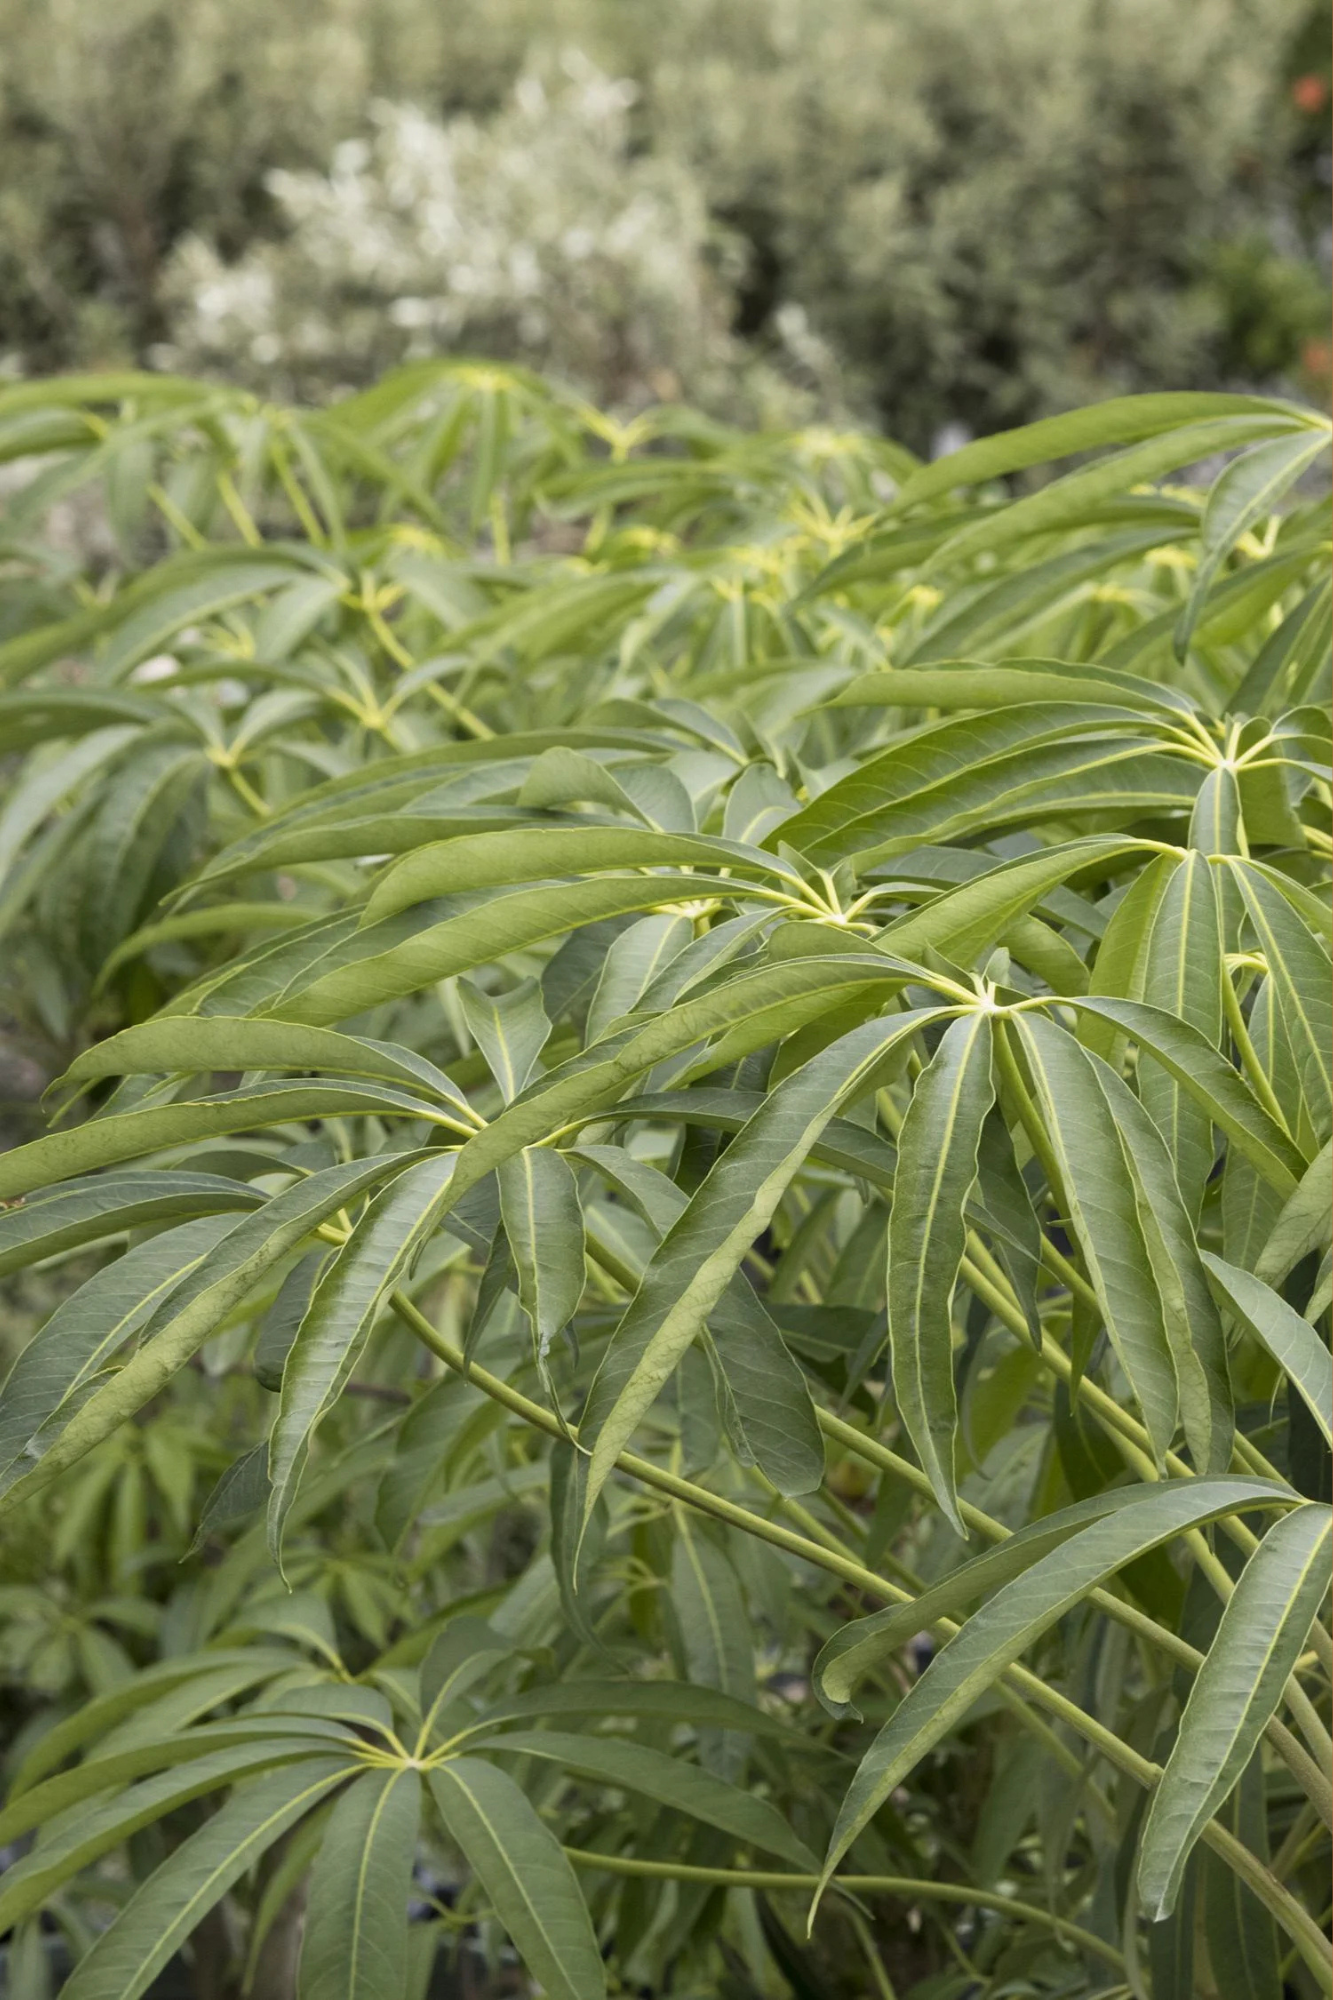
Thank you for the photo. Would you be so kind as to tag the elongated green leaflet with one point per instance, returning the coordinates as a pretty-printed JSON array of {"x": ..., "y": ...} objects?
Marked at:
[
  {"x": 1299, "y": 969},
  {"x": 1183, "y": 976},
  {"x": 1291, "y": 1340},
  {"x": 1250, "y": 488},
  {"x": 671, "y": 1781},
  {"x": 89, "y": 1834},
  {"x": 342, "y": 1311},
  {"x": 1265, "y": 1623},
  {"x": 1105, "y": 1215},
  {"x": 937, "y": 1166},
  {"x": 355, "y": 1941},
  {"x": 83, "y": 1335},
  {"x": 1191, "y": 1059},
  {"x": 129, "y": 1135},
  {"x": 87, "y": 1211},
  {"x": 361, "y": 975},
  {"x": 511, "y": 1030},
  {"x": 539, "y": 1205},
  {"x": 496, "y": 860},
  {"x": 1121, "y": 420},
  {"x": 1189, "y": 1317},
  {"x": 669, "y": 1701},
  {"x": 220, "y": 1044},
  {"x": 1305, "y": 1223},
  {"x": 770, "y": 1399},
  {"x": 527, "y": 1880}
]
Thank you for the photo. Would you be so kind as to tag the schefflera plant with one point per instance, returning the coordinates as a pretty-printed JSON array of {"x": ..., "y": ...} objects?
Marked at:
[{"x": 932, "y": 1078}]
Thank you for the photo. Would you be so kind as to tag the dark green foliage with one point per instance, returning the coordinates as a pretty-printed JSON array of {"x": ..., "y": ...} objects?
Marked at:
[{"x": 688, "y": 1158}]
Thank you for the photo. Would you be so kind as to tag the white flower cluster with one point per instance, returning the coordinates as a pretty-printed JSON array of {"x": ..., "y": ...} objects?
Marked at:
[{"x": 539, "y": 235}]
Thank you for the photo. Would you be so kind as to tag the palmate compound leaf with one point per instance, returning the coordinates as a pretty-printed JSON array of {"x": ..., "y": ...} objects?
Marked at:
[
  {"x": 937, "y": 1167},
  {"x": 1265, "y": 1623},
  {"x": 1021, "y": 1610},
  {"x": 343, "y": 1308},
  {"x": 527, "y": 1880},
  {"x": 355, "y": 1941},
  {"x": 702, "y": 1251}
]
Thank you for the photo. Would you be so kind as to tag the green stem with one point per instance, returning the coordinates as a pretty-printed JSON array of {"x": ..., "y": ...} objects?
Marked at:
[
  {"x": 1306, "y": 1718},
  {"x": 1012, "y": 1078},
  {"x": 870, "y": 1953},
  {"x": 300, "y": 505},
  {"x": 908, "y": 1887},
  {"x": 993, "y": 1287},
  {"x": 245, "y": 790},
  {"x": 1254, "y": 1069},
  {"x": 643, "y": 1469},
  {"x": 1305, "y": 1832},
  {"x": 1313, "y": 1781}
]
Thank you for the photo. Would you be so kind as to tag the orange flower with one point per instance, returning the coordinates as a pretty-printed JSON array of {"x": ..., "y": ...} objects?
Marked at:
[{"x": 1308, "y": 93}]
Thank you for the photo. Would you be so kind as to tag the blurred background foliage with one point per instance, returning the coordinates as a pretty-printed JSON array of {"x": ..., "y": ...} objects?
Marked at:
[{"x": 931, "y": 218}]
